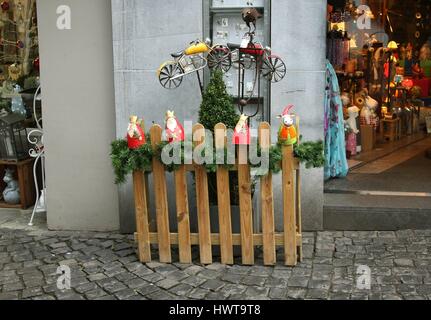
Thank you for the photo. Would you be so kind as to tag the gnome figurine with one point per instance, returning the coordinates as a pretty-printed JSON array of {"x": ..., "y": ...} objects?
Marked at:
[
  {"x": 287, "y": 134},
  {"x": 241, "y": 134},
  {"x": 135, "y": 134},
  {"x": 174, "y": 129}
]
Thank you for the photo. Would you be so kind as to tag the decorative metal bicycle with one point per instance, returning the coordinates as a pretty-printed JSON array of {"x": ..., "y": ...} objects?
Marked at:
[
  {"x": 196, "y": 57},
  {"x": 266, "y": 64}
]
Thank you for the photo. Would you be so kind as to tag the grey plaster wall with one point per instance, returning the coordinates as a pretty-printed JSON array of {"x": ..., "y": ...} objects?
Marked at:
[
  {"x": 79, "y": 115},
  {"x": 145, "y": 32},
  {"x": 299, "y": 36}
]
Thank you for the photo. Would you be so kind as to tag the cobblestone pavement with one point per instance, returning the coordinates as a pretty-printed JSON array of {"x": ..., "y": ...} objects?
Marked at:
[{"x": 104, "y": 266}]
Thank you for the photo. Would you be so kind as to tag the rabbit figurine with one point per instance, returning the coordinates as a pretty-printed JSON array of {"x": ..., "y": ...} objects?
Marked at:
[{"x": 287, "y": 134}]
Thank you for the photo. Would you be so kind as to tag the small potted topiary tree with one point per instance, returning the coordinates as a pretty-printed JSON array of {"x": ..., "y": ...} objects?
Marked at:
[{"x": 217, "y": 107}]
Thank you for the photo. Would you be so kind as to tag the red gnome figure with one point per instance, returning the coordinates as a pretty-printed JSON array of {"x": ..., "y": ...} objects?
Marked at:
[
  {"x": 174, "y": 129},
  {"x": 241, "y": 134},
  {"x": 135, "y": 134}
]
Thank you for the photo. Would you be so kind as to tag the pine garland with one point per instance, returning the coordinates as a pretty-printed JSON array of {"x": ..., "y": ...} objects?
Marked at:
[
  {"x": 311, "y": 154},
  {"x": 125, "y": 161}
]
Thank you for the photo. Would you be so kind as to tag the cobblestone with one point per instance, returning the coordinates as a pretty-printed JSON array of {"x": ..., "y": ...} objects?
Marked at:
[{"x": 104, "y": 266}]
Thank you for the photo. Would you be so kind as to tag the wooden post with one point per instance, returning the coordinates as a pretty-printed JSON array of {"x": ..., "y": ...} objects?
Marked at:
[
  {"x": 202, "y": 202},
  {"x": 267, "y": 201},
  {"x": 289, "y": 212},
  {"x": 183, "y": 216},
  {"x": 161, "y": 200},
  {"x": 141, "y": 217},
  {"x": 223, "y": 193},
  {"x": 246, "y": 208}
]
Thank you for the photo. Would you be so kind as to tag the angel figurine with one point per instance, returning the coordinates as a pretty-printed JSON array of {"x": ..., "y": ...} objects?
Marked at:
[
  {"x": 135, "y": 133},
  {"x": 242, "y": 132}
]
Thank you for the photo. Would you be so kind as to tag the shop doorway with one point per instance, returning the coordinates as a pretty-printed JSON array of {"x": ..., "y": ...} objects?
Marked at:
[
  {"x": 381, "y": 53},
  {"x": 21, "y": 128}
]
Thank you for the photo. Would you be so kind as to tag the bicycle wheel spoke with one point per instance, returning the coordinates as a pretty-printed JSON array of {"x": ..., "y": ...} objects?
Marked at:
[{"x": 164, "y": 82}]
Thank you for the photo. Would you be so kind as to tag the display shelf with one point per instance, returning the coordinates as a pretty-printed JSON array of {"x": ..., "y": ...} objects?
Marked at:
[{"x": 24, "y": 175}]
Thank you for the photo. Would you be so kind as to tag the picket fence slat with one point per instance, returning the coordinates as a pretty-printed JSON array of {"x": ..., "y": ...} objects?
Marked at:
[
  {"x": 161, "y": 196},
  {"x": 183, "y": 216},
  {"x": 202, "y": 201},
  {"x": 267, "y": 202},
  {"x": 249, "y": 239},
  {"x": 245, "y": 208},
  {"x": 144, "y": 248},
  {"x": 223, "y": 196},
  {"x": 289, "y": 212}
]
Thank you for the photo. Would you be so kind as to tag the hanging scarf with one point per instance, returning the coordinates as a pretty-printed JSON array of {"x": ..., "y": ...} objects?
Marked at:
[{"x": 335, "y": 141}]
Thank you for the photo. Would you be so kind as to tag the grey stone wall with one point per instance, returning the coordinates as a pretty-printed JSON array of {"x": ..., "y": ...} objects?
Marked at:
[{"x": 145, "y": 32}]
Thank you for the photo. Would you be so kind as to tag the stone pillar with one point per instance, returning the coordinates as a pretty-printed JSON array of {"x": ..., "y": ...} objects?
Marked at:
[
  {"x": 78, "y": 115},
  {"x": 299, "y": 36}
]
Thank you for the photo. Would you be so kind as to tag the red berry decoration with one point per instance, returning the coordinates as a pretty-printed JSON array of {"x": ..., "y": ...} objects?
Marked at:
[
  {"x": 5, "y": 6},
  {"x": 36, "y": 64}
]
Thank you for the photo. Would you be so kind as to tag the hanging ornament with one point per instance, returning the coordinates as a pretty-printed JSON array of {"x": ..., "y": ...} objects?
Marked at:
[
  {"x": 17, "y": 102},
  {"x": 20, "y": 26},
  {"x": 15, "y": 71},
  {"x": 287, "y": 134},
  {"x": 135, "y": 134},
  {"x": 5, "y": 6},
  {"x": 174, "y": 129},
  {"x": 36, "y": 64},
  {"x": 20, "y": 44},
  {"x": 19, "y": 7}
]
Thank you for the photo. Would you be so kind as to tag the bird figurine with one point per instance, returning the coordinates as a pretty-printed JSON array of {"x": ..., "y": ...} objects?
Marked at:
[
  {"x": 135, "y": 134},
  {"x": 250, "y": 17},
  {"x": 287, "y": 134},
  {"x": 174, "y": 129}
]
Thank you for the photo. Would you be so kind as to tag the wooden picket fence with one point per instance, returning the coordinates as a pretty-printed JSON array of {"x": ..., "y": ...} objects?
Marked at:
[{"x": 269, "y": 239}]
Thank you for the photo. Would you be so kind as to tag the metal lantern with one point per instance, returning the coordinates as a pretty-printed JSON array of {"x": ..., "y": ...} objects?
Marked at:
[{"x": 13, "y": 138}]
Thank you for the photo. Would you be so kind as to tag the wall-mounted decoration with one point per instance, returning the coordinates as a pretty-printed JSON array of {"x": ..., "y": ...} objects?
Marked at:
[{"x": 196, "y": 57}]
